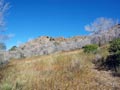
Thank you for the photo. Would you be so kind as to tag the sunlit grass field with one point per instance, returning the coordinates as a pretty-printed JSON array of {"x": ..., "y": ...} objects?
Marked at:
[{"x": 72, "y": 70}]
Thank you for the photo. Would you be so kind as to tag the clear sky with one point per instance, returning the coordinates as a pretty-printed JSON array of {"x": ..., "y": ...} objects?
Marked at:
[{"x": 32, "y": 18}]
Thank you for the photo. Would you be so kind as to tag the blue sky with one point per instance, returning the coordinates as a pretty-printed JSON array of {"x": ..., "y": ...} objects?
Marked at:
[{"x": 28, "y": 19}]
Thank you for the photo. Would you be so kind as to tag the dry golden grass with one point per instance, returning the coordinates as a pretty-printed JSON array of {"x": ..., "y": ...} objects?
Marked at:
[{"x": 61, "y": 71}]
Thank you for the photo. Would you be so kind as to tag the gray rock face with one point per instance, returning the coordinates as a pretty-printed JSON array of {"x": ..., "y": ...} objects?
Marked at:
[{"x": 47, "y": 45}]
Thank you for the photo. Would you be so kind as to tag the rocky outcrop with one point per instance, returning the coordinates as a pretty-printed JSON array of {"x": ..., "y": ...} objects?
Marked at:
[{"x": 46, "y": 45}]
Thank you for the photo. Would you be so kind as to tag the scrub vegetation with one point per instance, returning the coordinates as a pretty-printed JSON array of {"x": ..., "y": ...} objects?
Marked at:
[{"x": 73, "y": 70}]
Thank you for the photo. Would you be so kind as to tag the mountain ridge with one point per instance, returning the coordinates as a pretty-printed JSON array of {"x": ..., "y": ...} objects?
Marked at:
[{"x": 46, "y": 45}]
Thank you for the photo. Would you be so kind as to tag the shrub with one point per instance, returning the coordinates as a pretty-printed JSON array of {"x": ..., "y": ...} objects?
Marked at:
[
  {"x": 115, "y": 53},
  {"x": 2, "y": 46},
  {"x": 92, "y": 48},
  {"x": 6, "y": 87},
  {"x": 13, "y": 48},
  {"x": 114, "y": 46},
  {"x": 112, "y": 61}
]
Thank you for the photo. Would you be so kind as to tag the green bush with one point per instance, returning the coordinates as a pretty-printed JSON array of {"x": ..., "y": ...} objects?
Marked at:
[
  {"x": 114, "y": 50},
  {"x": 13, "y": 48},
  {"x": 92, "y": 48},
  {"x": 6, "y": 87},
  {"x": 115, "y": 46}
]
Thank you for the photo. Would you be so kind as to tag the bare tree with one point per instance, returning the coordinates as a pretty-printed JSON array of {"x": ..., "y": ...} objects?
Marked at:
[
  {"x": 101, "y": 24},
  {"x": 4, "y": 6},
  {"x": 3, "y": 9}
]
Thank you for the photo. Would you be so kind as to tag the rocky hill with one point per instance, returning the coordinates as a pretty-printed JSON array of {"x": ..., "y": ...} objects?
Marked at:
[{"x": 46, "y": 45}]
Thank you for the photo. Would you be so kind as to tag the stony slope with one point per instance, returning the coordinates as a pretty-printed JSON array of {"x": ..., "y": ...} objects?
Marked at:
[{"x": 46, "y": 45}]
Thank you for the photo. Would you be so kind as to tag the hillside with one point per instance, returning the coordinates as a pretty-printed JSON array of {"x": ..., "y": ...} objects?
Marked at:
[
  {"x": 59, "y": 45},
  {"x": 47, "y": 63},
  {"x": 71, "y": 70},
  {"x": 46, "y": 45}
]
